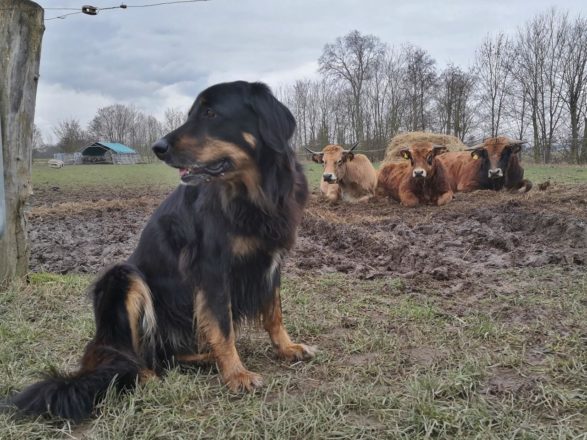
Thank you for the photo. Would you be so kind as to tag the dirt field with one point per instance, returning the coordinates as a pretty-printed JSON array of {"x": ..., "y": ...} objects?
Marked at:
[{"x": 82, "y": 232}]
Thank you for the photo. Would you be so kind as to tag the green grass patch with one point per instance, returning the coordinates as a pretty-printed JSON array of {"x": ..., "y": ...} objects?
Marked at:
[
  {"x": 556, "y": 173},
  {"x": 160, "y": 175},
  {"x": 79, "y": 176},
  {"x": 395, "y": 362}
]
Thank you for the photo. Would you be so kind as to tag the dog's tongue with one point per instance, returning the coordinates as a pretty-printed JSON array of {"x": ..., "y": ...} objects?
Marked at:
[{"x": 183, "y": 172}]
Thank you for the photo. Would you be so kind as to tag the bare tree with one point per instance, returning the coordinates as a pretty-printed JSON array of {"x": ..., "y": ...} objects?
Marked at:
[
  {"x": 574, "y": 77},
  {"x": 493, "y": 67},
  {"x": 37, "y": 142},
  {"x": 114, "y": 123},
  {"x": 454, "y": 97},
  {"x": 71, "y": 137},
  {"x": 352, "y": 59},
  {"x": 419, "y": 82},
  {"x": 173, "y": 118},
  {"x": 538, "y": 68}
]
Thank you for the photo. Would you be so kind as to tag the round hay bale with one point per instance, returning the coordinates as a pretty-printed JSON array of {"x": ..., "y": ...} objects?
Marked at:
[{"x": 404, "y": 139}]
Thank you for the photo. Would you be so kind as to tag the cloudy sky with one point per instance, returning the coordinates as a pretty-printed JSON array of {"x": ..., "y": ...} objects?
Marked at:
[{"x": 163, "y": 56}]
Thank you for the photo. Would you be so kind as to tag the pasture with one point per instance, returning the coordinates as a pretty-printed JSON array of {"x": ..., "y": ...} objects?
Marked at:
[{"x": 464, "y": 321}]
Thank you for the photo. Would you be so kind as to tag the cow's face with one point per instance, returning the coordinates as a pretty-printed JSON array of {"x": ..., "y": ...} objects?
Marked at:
[
  {"x": 495, "y": 154},
  {"x": 334, "y": 159},
  {"x": 422, "y": 157}
]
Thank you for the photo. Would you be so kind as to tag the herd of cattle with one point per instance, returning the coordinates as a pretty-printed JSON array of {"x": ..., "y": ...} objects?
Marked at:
[{"x": 429, "y": 174}]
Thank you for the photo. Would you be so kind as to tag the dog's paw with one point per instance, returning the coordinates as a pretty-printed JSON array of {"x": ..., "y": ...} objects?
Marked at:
[
  {"x": 243, "y": 380},
  {"x": 147, "y": 375},
  {"x": 298, "y": 352}
]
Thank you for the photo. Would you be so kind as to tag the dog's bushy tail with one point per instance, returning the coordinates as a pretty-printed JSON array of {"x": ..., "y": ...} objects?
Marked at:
[
  {"x": 117, "y": 356},
  {"x": 74, "y": 396}
]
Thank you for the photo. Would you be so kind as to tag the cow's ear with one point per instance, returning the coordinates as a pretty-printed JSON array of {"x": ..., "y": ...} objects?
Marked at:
[
  {"x": 439, "y": 149},
  {"x": 318, "y": 158},
  {"x": 405, "y": 153},
  {"x": 347, "y": 155},
  {"x": 516, "y": 145},
  {"x": 516, "y": 148},
  {"x": 276, "y": 123}
]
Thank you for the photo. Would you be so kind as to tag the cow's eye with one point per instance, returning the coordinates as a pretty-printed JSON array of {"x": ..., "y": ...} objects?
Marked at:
[
  {"x": 430, "y": 159},
  {"x": 210, "y": 114},
  {"x": 339, "y": 162}
]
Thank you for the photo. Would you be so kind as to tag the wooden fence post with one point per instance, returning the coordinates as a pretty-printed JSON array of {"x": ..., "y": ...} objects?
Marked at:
[{"x": 21, "y": 33}]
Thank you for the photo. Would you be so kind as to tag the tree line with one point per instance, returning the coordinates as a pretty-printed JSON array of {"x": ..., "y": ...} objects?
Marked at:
[
  {"x": 115, "y": 123},
  {"x": 529, "y": 85}
]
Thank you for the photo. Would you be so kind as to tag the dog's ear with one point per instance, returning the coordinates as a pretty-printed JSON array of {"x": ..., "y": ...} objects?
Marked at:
[{"x": 276, "y": 123}]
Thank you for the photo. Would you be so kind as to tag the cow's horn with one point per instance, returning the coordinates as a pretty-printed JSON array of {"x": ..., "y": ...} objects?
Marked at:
[
  {"x": 517, "y": 142},
  {"x": 474, "y": 147},
  {"x": 354, "y": 146},
  {"x": 313, "y": 152}
]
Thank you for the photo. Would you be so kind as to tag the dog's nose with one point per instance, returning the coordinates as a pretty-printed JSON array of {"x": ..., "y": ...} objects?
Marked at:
[{"x": 160, "y": 147}]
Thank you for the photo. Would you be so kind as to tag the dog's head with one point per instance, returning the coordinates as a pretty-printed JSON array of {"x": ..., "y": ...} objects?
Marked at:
[{"x": 230, "y": 128}]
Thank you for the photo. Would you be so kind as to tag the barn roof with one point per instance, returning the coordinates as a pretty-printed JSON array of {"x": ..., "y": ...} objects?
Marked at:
[{"x": 116, "y": 147}]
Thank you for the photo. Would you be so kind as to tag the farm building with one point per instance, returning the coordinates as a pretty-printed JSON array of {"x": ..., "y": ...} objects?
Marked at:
[{"x": 109, "y": 152}]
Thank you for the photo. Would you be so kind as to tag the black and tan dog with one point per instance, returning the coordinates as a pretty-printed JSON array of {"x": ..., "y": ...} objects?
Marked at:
[{"x": 208, "y": 258}]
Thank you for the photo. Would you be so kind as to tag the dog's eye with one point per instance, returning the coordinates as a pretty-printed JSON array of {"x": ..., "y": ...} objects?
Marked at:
[{"x": 210, "y": 113}]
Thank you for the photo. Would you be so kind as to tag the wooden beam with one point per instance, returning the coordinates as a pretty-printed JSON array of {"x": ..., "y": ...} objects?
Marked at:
[{"x": 21, "y": 33}]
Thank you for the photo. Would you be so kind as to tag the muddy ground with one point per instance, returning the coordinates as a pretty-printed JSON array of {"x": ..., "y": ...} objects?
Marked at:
[{"x": 81, "y": 232}]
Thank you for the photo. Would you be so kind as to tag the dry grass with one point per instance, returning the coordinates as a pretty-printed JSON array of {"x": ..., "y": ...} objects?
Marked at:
[
  {"x": 403, "y": 139},
  {"x": 398, "y": 360}
]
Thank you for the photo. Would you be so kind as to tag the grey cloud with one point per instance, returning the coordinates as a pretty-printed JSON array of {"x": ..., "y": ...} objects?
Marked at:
[{"x": 134, "y": 55}]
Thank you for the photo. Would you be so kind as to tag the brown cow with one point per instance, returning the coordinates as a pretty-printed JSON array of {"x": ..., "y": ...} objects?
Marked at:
[
  {"x": 347, "y": 176},
  {"x": 494, "y": 164},
  {"x": 422, "y": 180}
]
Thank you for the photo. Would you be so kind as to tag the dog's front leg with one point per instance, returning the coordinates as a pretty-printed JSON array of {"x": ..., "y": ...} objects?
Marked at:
[
  {"x": 214, "y": 324},
  {"x": 273, "y": 324}
]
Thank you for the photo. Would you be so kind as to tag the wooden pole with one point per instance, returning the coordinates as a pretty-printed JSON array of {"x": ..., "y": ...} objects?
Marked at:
[
  {"x": 21, "y": 33},
  {"x": 2, "y": 198}
]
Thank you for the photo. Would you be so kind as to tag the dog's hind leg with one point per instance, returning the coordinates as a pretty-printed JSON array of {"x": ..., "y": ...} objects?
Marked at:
[
  {"x": 125, "y": 324},
  {"x": 124, "y": 313},
  {"x": 273, "y": 324}
]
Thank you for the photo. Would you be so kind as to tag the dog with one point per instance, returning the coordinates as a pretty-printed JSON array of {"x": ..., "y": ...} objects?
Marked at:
[{"x": 208, "y": 259}]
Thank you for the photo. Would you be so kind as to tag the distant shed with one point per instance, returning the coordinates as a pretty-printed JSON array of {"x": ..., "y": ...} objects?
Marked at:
[{"x": 110, "y": 153}]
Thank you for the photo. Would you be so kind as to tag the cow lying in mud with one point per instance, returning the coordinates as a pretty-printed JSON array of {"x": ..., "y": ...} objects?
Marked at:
[
  {"x": 494, "y": 164},
  {"x": 347, "y": 176},
  {"x": 421, "y": 180}
]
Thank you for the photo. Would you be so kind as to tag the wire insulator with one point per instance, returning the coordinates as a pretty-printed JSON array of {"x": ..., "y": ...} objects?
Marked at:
[{"x": 89, "y": 10}]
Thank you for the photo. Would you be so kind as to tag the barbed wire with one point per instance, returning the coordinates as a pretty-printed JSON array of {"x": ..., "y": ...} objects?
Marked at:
[{"x": 94, "y": 10}]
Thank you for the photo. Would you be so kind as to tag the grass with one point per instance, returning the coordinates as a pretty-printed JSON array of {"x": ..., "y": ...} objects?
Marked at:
[
  {"x": 556, "y": 173},
  {"x": 162, "y": 176},
  {"x": 567, "y": 174},
  {"x": 395, "y": 362},
  {"x": 75, "y": 176}
]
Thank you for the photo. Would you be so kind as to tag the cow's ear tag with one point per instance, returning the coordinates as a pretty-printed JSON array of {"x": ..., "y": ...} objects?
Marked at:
[
  {"x": 405, "y": 155},
  {"x": 475, "y": 156}
]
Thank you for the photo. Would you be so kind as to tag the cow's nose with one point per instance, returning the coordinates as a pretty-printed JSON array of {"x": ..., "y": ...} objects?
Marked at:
[
  {"x": 327, "y": 177},
  {"x": 419, "y": 173},
  {"x": 496, "y": 172},
  {"x": 160, "y": 148}
]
